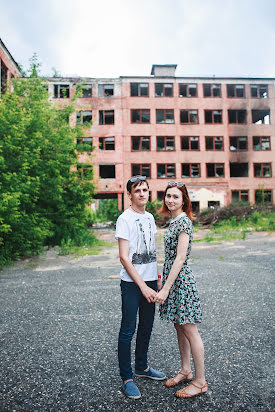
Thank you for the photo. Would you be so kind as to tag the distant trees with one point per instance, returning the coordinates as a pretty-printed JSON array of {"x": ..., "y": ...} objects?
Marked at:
[{"x": 42, "y": 197}]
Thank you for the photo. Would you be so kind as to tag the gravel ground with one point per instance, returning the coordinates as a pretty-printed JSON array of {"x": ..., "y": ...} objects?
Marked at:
[{"x": 60, "y": 320}]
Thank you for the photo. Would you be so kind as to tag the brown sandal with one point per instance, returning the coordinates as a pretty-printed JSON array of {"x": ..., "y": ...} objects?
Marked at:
[
  {"x": 171, "y": 382},
  {"x": 183, "y": 394}
]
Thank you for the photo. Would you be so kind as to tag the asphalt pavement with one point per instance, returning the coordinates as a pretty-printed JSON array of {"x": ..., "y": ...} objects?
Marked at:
[{"x": 59, "y": 326}]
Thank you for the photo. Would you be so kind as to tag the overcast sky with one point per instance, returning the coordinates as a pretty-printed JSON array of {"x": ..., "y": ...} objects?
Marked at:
[{"x": 112, "y": 38}]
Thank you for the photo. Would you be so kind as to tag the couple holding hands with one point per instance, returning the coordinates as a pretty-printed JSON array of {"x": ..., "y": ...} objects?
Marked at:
[{"x": 142, "y": 286}]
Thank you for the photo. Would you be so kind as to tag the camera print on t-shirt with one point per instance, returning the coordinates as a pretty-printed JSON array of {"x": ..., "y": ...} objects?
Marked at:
[{"x": 144, "y": 253}]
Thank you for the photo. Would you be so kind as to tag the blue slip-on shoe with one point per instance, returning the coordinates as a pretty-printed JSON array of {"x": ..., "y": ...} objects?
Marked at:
[
  {"x": 131, "y": 390},
  {"x": 151, "y": 374}
]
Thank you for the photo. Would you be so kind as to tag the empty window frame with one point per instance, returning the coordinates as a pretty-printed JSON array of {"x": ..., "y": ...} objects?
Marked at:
[
  {"x": 165, "y": 143},
  {"x": 86, "y": 142},
  {"x": 212, "y": 204},
  {"x": 262, "y": 170},
  {"x": 166, "y": 170},
  {"x": 195, "y": 207},
  {"x": 61, "y": 91},
  {"x": 259, "y": 90},
  {"x": 238, "y": 143},
  {"x": 213, "y": 116},
  {"x": 190, "y": 143},
  {"x": 84, "y": 117},
  {"x": 86, "y": 90},
  {"x": 237, "y": 116},
  {"x": 85, "y": 171},
  {"x": 107, "y": 171},
  {"x": 238, "y": 169},
  {"x": 235, "y": 90},
  {"x": 212, "y": 90},
  {"x": 160, "y": 196},
  {"x": 261, "y": 143},
  {"x": 214, "y": 169},
  {"x": 163, "y": 90},
  {"x": 189, "y": 116},
  {"x": 213, "y": 142},
  {"x": 140, "y": 115},
  {"x": 187, "y": 90},
  {"x": 239, "y": 196},
  {"x": 106, "y": 116},
  {"x": 106, "y": 90},
  {"x": 139, "y": 89},
  {"x": 141, "y": 169},
  {"x": 106, "y": 143},
  {"x": 165, "y": 116},
  {"x": 190, "y": 170},
  {"x": 261, "y": 116},
  {"x": 140, "y": 143},
  {"x": 4, "y": 77},
  {"x": 263, "y": 196}
]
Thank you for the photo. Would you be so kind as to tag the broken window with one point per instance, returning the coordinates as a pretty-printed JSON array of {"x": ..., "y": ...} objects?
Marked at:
[
  {"x": 214, "y": 142},
  {"x": 239, "y": 195},
  {"x": 263, "y": 196},
  {"x": 140, "y": 143},
  {"x": 165, "y": 143},
  {"x": 261, "y": 116},
  {"x": 189, "y": 116},
  {"x": 61, "y": 91},
  {"x": 212, "y": 90},
  {"x": 237, "y": 116},
  {"x": 165, "y": 116},
  {"x": 235, "y": 90},
  {"x": 262, "y": 169},
  {"x": 213, "y": 116},
  {"x": 166, "y": 170},
  {"x": 212, "y": 204},
  {"x": 84, "y": 116},
  {"x": 160, "y": 196},
  {"x": 107, "y": 171},
  {"x": 238, "y": 143},
  {"x": 190, "y": 143},
  {"x": 163, "y": 89},
  {"x": 4, "y": 77},
  {"x": 139, "y": 89},
  {"x": 140, "y": 115},
  {"x": 106, "y": 116},
  {"x": 187, "y": 90},
  {"x": 259, "y": 90},
  {"x": 106, "y": 90},
  {"x": 261, "y": 143},
  {"x": 141, "y": 169},
  {"x": 238, "y": 169},
  {"x": 214, "y": 169},
  {"x": 85, "y": 144},
  {"x": 190, "y": 170},
  {"x": 107, "y": 143},
  {"x": 195, "y": 207},
  {"x": 86, "y": 90},
  {"x": 85, "y": 171}
]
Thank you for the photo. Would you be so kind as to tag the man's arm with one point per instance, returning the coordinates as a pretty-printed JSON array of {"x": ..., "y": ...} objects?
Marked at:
[{"x": 147, "y": 292}]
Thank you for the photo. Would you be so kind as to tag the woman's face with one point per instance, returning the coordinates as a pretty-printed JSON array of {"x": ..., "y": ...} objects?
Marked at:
[{"x": 173, "y": 199}]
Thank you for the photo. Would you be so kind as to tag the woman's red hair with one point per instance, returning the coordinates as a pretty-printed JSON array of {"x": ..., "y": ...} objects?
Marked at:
[{"x": 186, "y": 207}]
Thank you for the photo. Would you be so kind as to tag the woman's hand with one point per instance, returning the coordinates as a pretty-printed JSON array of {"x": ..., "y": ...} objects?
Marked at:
[
  {"x": 162, "y": 296},
  {"x": 159, "y": 284}
]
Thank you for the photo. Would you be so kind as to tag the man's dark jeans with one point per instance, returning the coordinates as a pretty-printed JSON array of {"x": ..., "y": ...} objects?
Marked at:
[{"x": 132, "y": 302}]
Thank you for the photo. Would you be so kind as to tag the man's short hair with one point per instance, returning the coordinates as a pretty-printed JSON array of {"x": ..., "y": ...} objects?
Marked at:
[{"x": 135, "y": 181}]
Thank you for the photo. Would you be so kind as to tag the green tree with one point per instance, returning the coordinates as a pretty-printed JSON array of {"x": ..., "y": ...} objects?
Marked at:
[{"x": 42, "y": 197}]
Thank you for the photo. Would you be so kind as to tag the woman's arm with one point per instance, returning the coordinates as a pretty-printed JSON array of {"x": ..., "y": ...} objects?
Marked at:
[
  {"x": 183, "y": 242},
  {"x": 147, "y": 292}
]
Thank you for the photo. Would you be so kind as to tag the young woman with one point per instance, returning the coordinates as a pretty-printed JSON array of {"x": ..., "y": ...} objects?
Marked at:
[{"x": 178, "y": 298}]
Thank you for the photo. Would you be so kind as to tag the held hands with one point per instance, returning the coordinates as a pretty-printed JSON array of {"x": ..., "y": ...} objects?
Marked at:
[
  {"x": 162, "y": 296},
  {"x": 149, "y": 294}
]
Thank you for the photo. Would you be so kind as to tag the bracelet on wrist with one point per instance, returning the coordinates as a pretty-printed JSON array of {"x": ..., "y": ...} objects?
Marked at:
[{"x": 159, "y": 276}]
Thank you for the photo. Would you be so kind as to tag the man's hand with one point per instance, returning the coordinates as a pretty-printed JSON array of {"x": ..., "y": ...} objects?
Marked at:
[
  {"x": 148, "y": 293},
  {"x": 159, "y": 284},
  {"x": 162, "y": 296}
]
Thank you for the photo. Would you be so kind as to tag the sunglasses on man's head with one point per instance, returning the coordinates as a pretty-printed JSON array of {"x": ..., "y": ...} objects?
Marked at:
[
  {"x": 179, "y": 184},
  {"x": 135, "y": 178}
]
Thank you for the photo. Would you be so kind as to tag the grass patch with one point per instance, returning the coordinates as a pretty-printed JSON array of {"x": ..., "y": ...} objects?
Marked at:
[{"x": 85, "y": 244}]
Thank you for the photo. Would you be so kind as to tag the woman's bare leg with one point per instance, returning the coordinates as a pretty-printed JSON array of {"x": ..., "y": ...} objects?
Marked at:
[{"x": 185, "y": 353}]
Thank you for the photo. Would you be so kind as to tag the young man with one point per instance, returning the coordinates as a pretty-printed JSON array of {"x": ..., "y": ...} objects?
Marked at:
[{"x": 135, "y": 231}]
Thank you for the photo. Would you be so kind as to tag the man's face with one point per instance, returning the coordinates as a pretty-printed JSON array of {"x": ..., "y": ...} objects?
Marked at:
[{"x": 139, "y": 195}]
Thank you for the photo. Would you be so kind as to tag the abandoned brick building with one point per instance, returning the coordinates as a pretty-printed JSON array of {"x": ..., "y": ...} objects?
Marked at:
[
  {"x": 9, "y": 67},
  {"x": 214, "y": 133}
]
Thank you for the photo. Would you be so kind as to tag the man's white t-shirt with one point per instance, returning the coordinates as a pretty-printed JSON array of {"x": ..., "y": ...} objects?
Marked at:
[{"x": 139, "y": 229}]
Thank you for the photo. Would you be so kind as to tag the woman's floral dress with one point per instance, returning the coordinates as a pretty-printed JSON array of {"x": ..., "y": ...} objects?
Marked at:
[{"x": 182, "y": 304}]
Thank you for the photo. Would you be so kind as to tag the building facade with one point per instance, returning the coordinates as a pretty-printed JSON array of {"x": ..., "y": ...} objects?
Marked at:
[
  {"x": 215, "y": 134},
  {"x": 8, "y": 68}
]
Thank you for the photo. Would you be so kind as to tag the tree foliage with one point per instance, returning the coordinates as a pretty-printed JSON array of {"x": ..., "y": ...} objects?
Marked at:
[{"x": 42, "y": 197}]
